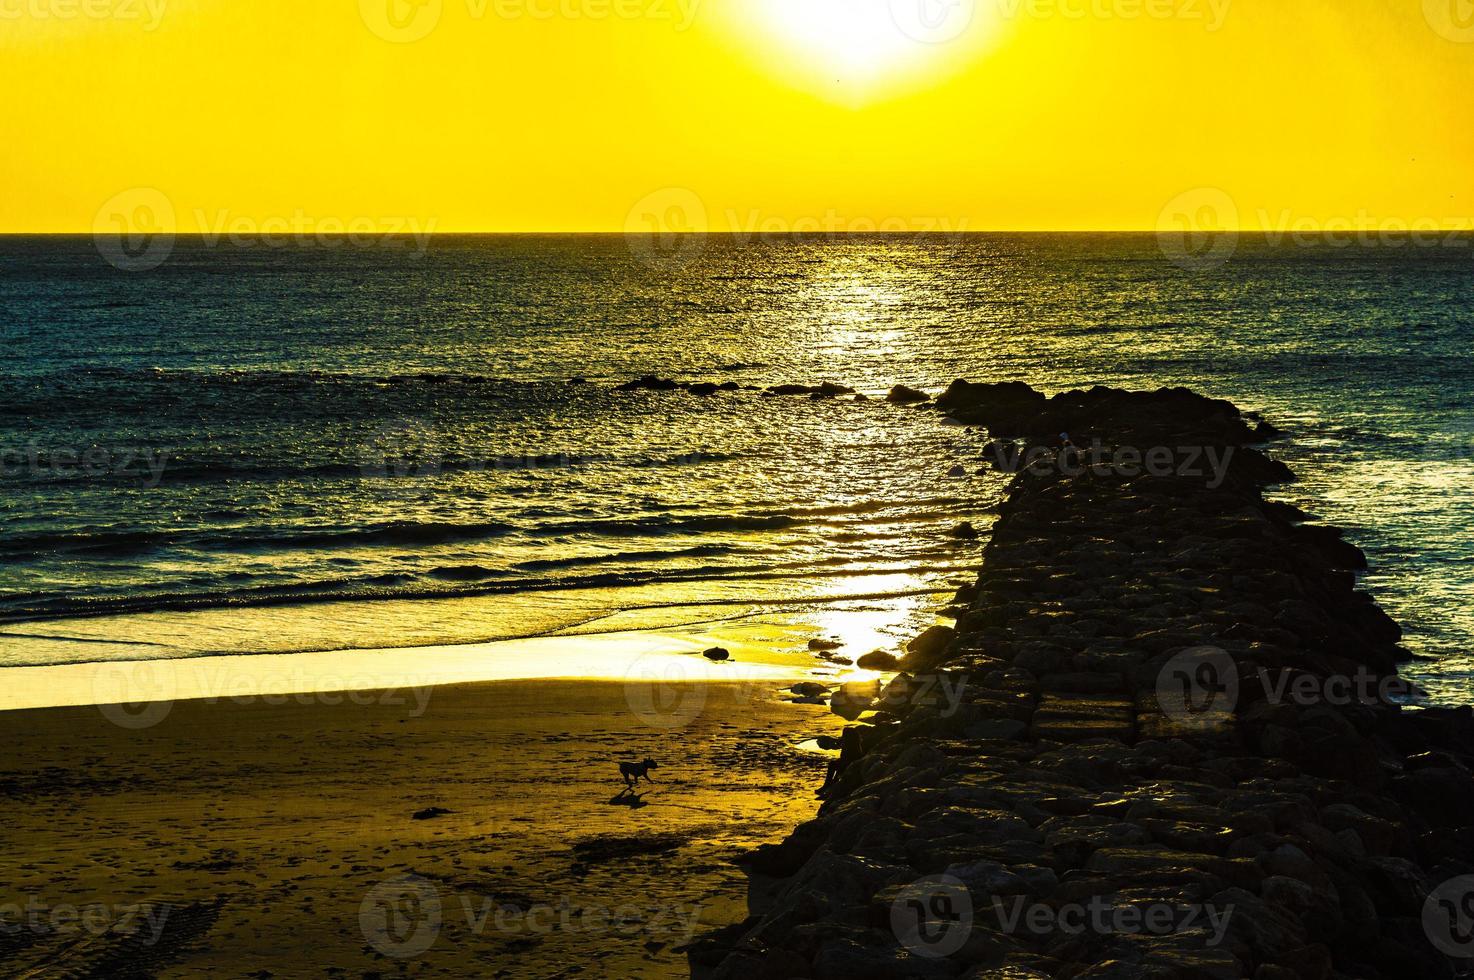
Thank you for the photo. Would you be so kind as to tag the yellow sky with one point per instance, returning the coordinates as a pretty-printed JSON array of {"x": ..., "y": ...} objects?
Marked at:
[{"x": 737, "y": 114}]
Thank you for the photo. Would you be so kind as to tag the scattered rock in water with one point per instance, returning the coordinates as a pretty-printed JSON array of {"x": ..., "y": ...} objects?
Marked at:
[
  {"x": 430, "y": 813},
  {"x": 957, "y": 471},
  {"x": 830, "y": 743},
  {"x": 879, "y": 660},
  {"x": 702, "y": 388},
  {"x": 717, "y": 654},
  {"x": 809, "y": 689},
  {"x": 826, "y": 390},
  {"x": 964, "y": 532},
  {"x": 824, "y": 646},
  {"x": 902, "y": 395}
]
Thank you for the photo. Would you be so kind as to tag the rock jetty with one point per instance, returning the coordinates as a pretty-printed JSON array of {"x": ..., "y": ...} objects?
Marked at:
[{"x": 1166, "y": 739}]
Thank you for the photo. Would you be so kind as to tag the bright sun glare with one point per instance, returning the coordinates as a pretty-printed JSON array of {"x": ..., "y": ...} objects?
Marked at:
[
  {"x": 853, "y": 35},
  {"x": 859, "y": 47}
]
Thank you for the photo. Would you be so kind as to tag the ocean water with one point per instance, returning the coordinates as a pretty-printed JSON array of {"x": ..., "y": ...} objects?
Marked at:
[{"x": 301, "y": 447}]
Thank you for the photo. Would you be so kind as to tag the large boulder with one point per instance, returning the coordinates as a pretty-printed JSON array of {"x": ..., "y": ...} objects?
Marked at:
[{"x": 1006, "y": 408}]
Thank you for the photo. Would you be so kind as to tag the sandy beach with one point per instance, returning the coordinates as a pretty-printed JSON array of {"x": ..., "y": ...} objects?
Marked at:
[{"x": 278, "y": 836}]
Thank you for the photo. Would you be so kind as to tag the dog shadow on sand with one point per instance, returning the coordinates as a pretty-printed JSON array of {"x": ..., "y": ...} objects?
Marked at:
[{"x": 628, "y": 797}]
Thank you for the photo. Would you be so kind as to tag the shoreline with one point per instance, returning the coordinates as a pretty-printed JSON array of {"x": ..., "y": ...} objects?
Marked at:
[
  {"x": 1088, "y": 778},
  {"x": 763, "y": 647}
]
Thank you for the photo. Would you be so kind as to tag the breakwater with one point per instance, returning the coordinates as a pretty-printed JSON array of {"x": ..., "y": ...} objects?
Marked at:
[{"x": 1166, "y": 738}]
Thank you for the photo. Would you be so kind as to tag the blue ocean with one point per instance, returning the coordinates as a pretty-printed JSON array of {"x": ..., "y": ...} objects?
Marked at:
[{"x": 297, "y": 447}]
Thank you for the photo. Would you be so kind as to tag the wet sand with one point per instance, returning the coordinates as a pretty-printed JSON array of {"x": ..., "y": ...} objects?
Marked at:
[{"x": 246, "y": 838}]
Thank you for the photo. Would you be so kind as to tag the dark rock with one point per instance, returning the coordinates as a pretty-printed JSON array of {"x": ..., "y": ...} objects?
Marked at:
[
  {"x": 902, "y": 395},
  {"x": 879, "y": 660},
  {"x": 430, "y": 813},
  {"x": 649, "y": 383},
  {"x": 964, "y": 532},
  {"x": 928, "y": 648},
  {"x": 717, "y": 654},
  {"x": 1005, "y": 409}
]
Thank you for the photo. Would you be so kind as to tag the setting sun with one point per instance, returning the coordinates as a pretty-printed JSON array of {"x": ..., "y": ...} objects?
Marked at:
[{"x": 858, "y": 50}]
